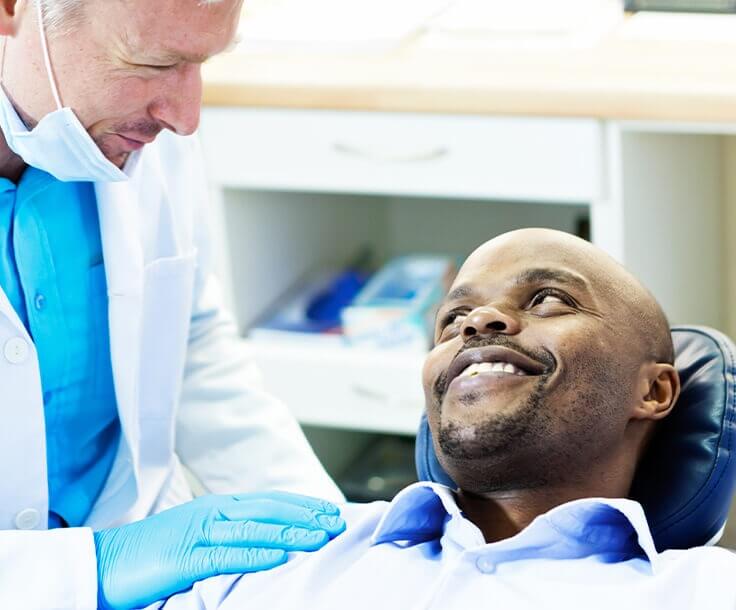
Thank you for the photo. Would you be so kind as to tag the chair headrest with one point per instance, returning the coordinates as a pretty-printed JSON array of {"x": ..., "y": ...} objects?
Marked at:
[{"x": 686, "y": 480}]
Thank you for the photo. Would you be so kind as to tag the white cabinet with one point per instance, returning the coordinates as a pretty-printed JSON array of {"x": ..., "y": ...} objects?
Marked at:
[
  {"x": 297, "y": 190},
  {"x": 406, "y": 154}
]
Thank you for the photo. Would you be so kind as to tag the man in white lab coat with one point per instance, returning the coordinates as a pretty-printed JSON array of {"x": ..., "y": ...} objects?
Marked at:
[{"x": 117, "y": 364}]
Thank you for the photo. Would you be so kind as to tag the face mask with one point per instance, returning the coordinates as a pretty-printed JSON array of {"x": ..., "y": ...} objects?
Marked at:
[{"x": 59, "y": 144}]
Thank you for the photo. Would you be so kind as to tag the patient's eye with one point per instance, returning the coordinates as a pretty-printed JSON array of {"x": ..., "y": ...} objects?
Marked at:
[
  {"x": 551, "y": 296},
  {"x": 450, "y": 322}
]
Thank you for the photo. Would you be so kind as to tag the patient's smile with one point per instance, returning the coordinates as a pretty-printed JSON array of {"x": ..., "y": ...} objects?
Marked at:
[
  {"x": 494, "y": 359},
  {"x": 497, "y": 368},
  {"x": 482, "y": 384}
]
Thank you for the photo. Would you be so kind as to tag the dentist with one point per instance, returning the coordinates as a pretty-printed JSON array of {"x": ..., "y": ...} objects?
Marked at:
[{"x": 117, "y": 363}]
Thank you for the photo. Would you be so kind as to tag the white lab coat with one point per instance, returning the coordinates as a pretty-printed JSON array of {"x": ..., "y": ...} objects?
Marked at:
[{"x": 184, "y": 388}]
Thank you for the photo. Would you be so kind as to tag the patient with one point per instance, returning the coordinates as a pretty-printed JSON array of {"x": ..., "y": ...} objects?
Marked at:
[{"x": 551, "y": 369}]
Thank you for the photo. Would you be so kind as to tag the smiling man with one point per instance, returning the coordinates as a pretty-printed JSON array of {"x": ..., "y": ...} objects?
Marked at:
[
  {"x": 124, "y": 384},
  {"x": 579, "y": 339},
  {"x": 552, "y": 366}
]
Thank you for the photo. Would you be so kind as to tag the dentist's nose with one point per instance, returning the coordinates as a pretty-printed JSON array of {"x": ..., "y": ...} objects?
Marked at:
[
  {"x": 489, "y": 320},
  {"x": 179, "y": 107}
]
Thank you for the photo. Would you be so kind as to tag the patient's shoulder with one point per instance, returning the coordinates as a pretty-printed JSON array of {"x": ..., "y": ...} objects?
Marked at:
[
  {"x": 715, "y": 553},
  {"x": 712, "y": 559},
  {"x": 358, "y": 512},
  {"x": 361, "y": 519}
]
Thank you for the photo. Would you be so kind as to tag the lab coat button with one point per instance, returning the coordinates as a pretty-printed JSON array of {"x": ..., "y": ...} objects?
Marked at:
[
  {"x": 16, "y": 350},
  {"x": 485, "y": 565},
  {"x": 27, "y": 519}
]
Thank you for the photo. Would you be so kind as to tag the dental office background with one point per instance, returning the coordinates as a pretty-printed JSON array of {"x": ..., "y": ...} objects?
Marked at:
[{"x": 357, "y": 151}]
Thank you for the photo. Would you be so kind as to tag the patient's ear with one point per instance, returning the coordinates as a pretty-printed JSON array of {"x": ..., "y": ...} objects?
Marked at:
[{"x": 658, "y": 391}]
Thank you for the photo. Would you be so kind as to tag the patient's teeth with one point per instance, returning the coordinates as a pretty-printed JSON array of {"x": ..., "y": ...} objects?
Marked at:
[
  {"x": 491, "y": 367},
  {"x": 470, "y": 371}
]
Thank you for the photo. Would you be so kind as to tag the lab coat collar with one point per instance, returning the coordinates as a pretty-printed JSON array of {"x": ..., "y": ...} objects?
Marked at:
[
  {"x": 606, "y": 526},
  {"x": 119, "y": 213}
]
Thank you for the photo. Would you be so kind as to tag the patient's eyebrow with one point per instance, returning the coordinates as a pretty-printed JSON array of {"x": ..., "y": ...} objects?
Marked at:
[
  {"x": 530, "y": 276},
  {"x": 461, "y": 292},
  {"x": 541, "y": 275}
]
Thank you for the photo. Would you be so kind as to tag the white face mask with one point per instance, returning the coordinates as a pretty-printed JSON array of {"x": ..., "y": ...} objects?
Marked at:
[{"x": 59, "y": 144}]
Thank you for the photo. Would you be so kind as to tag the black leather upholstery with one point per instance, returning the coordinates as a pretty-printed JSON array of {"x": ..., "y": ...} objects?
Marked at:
[{"x": 686, "y": 480}]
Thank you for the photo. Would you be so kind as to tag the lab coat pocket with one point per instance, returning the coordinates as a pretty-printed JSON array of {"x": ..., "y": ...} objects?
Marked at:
[{"x": 167, "y": 307}]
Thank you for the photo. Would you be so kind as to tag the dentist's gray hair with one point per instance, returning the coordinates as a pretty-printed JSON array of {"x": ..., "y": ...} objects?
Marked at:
[{"x": 58, "y": 13}]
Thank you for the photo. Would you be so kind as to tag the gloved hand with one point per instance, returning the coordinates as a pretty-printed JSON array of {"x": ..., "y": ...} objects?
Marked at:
[{"x": 148, "y": 560}]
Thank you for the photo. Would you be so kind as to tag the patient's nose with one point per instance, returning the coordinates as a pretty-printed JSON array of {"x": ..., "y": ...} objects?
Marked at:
[{"x": 489, "y": 321}]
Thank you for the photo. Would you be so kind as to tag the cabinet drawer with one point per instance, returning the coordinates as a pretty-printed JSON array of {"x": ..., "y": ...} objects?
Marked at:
[
  {"x": 344, "y": 387},
  {"x": 503, "y": 158}
]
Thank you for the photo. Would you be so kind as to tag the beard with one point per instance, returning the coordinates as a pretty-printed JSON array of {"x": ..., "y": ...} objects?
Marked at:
[
  {"x": 496, "y": 434},
  {"x": 544, "y": 440},
  {"x": 501, "y": 430}
]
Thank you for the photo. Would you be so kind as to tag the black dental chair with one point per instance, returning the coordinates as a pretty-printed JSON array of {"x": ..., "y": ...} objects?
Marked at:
[{"x": 686, "y": 480}]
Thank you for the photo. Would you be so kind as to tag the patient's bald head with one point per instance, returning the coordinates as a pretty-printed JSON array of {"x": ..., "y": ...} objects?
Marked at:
[{"x": 551, "y": 365}]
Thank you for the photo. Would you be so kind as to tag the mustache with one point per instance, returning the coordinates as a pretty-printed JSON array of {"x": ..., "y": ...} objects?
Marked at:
[
  {"x": 143, "y": 127},
  {"x": 540, "y": 355}
]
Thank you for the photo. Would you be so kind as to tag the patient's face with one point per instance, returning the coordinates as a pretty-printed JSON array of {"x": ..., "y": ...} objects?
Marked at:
[{"x": 534, "y": 363}]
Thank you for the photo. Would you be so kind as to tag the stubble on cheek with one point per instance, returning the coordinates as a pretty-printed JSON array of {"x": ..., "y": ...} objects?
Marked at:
[{"x": 439, "y": 387}]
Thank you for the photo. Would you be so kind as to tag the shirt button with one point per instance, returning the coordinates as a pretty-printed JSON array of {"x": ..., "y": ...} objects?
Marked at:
[
  {"x": 39, "y": 302},
  {"x": 27, "y": 519},
  {"x": 485, "y": 565},
  {"x": 16, "y": 350}
]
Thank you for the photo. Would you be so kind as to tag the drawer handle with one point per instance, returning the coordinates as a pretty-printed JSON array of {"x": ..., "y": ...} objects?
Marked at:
[{"x": 383, "y": 156}]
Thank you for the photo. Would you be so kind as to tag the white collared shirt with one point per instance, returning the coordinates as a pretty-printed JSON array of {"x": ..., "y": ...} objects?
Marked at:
[{"x": 420, "y": 552}]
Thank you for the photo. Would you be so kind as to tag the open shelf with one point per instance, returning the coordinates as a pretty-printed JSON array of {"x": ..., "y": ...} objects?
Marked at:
[{"x": 327, "y": 383}]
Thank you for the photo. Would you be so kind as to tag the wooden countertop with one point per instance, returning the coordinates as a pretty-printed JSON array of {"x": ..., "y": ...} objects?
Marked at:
[{"x": 622, "y": 77}]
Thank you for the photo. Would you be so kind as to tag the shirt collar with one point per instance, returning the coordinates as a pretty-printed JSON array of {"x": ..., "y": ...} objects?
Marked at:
[
  {"x": 416, "y": 514},
  {"x": 425, "y": 511},
  {"x": 6, "y": 185},
  {"x": 32, "y": 183}
]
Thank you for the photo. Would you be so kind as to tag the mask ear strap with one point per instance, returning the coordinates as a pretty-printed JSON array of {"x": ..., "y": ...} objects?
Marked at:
[{"x": 46, "y": 60}]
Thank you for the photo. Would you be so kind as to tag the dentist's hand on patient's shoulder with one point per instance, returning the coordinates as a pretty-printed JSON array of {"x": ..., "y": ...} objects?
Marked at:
[{"x": 151, "y": 559}]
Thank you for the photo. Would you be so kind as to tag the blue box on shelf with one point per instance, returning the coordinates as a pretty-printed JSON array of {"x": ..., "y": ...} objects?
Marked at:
[{"x": 311, "y": 312}]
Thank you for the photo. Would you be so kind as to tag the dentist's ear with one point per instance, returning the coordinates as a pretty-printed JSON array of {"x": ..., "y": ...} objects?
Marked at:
[
  {"x": 10, "y": 15},
  {"x": 659, "y": 389}
]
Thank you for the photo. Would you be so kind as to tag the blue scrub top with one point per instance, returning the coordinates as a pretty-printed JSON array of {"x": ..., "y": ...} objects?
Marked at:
[{"x": 51, "y": 270}]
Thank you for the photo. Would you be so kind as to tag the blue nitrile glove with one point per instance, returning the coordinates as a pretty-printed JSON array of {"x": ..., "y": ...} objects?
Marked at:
[{"x": 151, "y": 559}]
